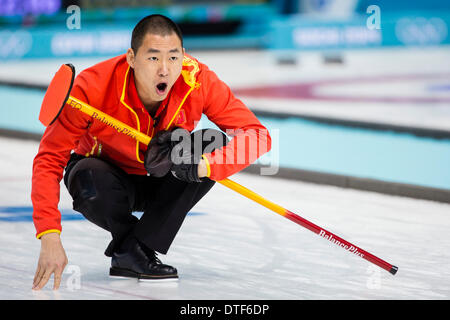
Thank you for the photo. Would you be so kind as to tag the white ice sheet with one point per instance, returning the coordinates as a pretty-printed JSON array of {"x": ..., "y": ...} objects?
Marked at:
[{"x": 238, "y": 249}]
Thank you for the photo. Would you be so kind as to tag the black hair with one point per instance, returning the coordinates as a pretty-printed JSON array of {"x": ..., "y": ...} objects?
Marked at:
[{"x": 154, "y": 24}]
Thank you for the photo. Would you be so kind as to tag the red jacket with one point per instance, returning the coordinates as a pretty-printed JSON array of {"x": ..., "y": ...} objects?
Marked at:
[{"x": 109, "y": 86}]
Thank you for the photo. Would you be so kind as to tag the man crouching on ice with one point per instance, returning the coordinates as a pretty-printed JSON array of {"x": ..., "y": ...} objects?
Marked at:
[{"x": 161, "y": 91}]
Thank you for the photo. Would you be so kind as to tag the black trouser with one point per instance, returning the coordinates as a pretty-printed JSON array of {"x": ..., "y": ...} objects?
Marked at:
[{"x": 107, "y": 196}]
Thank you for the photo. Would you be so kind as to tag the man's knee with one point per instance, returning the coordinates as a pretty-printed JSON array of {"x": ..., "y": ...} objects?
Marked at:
[
  {"x": 95, "y": 186},
  {"x": 85, "y": 194}
]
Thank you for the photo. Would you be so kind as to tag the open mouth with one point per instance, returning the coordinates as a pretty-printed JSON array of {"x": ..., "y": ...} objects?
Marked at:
[{"x": 161, "y": 88}]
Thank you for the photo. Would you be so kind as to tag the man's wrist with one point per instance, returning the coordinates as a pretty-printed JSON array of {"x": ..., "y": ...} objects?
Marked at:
[
  {"x": 202, "y": 169},
  {"x": 50, "y": 236}
]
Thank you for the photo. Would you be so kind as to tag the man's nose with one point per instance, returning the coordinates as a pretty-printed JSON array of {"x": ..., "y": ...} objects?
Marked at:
[{"x": 163, "y": 69}]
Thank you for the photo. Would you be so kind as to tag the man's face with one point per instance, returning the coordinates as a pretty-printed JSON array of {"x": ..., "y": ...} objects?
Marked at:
[{"x": 157, "y": 65}]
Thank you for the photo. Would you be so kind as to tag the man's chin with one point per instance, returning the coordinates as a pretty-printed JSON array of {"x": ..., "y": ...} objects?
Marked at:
[{"x": 160, "y": 98}]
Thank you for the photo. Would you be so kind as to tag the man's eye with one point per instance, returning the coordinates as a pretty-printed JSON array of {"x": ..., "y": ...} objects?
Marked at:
[
  {"x": 153, "y": 58},
  {"x": 173, "y": 58}
]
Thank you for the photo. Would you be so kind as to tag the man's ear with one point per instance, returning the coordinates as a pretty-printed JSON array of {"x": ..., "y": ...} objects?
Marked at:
[{"x": 130, "y": 57}]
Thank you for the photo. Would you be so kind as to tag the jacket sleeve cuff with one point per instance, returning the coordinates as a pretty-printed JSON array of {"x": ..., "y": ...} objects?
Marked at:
[
  {"x": 48, "y": 231},
  {"x": 208, "y": 167}
]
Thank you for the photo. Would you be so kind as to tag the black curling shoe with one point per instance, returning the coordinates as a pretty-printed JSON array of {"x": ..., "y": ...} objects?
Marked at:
[{"x": 141, "y": 264}]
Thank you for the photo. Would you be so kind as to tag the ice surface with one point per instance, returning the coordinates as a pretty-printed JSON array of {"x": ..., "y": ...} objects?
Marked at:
[{"x": 233, "y": 248}]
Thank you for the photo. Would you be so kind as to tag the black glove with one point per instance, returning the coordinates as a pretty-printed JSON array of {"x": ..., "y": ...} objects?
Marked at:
[
  {"x": 157, "y": 157},
  {"x": 185, "y": 163}
]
